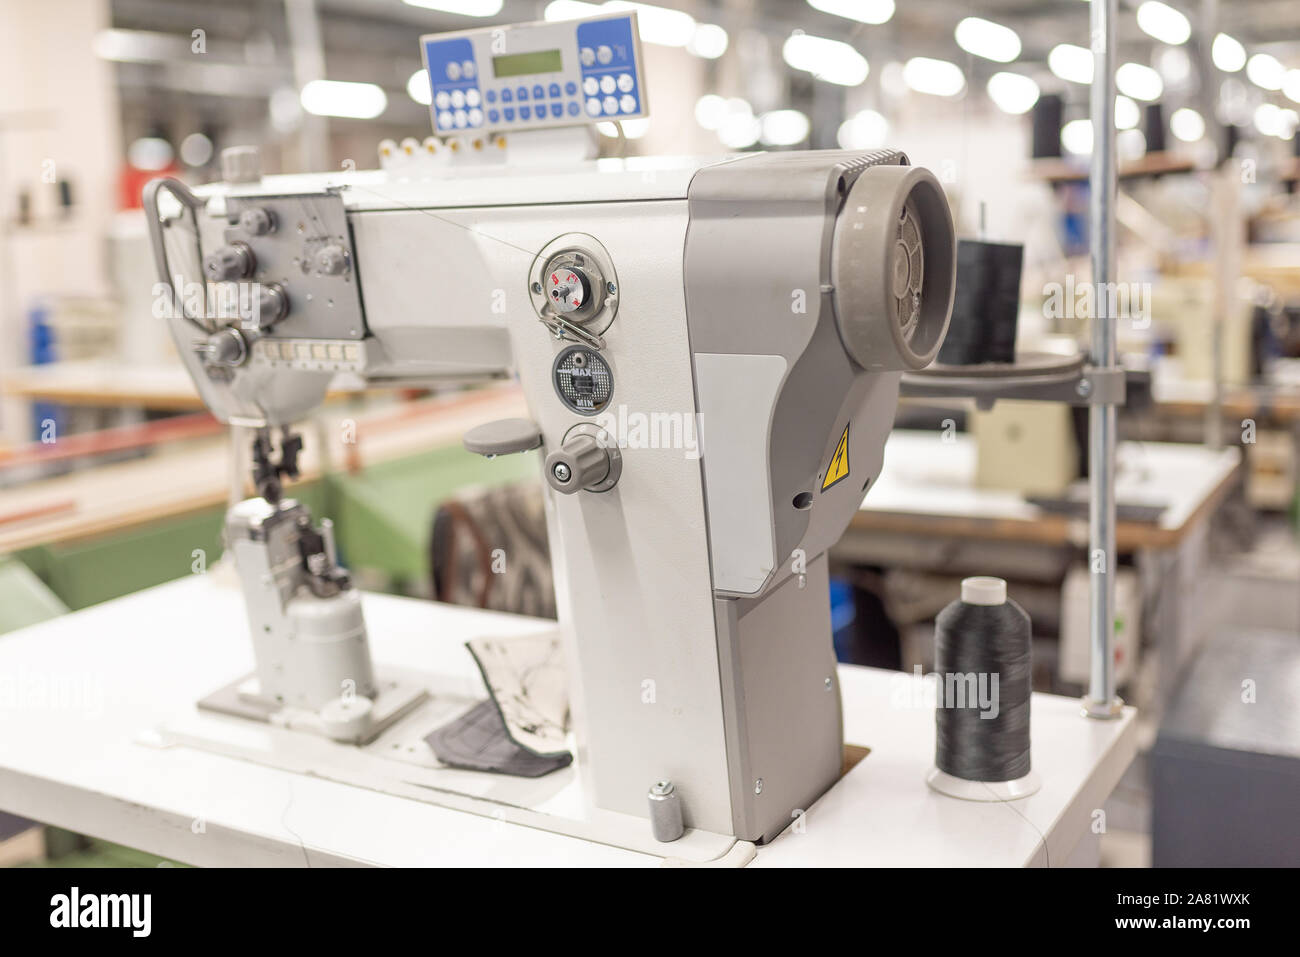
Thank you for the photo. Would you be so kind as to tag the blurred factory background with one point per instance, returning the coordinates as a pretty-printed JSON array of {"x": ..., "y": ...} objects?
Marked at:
[{"x": 110, "y": 470}]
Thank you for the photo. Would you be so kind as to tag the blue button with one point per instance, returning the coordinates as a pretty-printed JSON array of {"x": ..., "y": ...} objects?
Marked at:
[
  {"x": 573, "y": 108},
  {"x": 507, "y": 96},
  {"x": 557, "y": 110},
  {"x": 493, "y": 115},
  {"x": 569, "y": 88},
  {"x": 510, "y": 114},
  {"x": 522, "y": 93},
  {"x": 555, "y": 89},
  {"x": 525, "y": 113},
  {"x": 491, "y": 96},
  {"x": 538, "y": 92}
]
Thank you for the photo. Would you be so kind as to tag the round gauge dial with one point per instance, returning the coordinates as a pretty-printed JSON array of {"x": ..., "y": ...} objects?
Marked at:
[
  {"x": 583, "y": 380},
  {"x": 567, "y": 289}
]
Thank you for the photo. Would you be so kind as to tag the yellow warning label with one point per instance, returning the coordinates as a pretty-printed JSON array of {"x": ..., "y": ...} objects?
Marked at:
[{"x": 838, "y": 468}]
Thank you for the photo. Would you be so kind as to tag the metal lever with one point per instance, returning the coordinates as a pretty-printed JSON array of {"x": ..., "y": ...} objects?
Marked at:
[
  {"x": 503, "y": 437},
  {"x": 182, "y": 194}
]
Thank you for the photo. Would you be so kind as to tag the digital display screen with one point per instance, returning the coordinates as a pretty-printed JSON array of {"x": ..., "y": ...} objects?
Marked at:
[{"x": 519, "y": 64}]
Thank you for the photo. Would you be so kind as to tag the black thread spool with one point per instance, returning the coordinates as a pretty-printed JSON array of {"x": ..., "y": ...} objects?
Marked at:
[{"x": 982, "y": 747}]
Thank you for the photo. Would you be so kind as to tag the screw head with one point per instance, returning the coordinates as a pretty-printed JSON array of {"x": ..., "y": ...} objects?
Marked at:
[
  {"x": 758, "y": 786},
  {"x": 561, "y": 472},
  {"x": 1084, "y": 387}
]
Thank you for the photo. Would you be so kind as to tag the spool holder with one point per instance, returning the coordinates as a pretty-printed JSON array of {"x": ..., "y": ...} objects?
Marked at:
[{"x": 1037, "y": 377}]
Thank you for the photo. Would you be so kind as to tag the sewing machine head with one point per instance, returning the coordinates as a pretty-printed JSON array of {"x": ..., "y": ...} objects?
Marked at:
[{"x": 710, "y": 352}]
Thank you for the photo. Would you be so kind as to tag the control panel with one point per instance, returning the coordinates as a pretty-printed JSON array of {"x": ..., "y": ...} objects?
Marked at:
[{"x": 536, "y": 75}]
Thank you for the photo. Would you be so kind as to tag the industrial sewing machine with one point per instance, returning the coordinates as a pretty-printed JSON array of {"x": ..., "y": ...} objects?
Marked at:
[{"x": 774, "y": 298}]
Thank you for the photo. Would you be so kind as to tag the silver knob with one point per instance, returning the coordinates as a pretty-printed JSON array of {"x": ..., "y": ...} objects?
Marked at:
[
  {"x": 256, "y": 221},
  {"x": 229, "y": 262},
  {"x": 332, "y": 260},
  {"x": 272, "y": 306},
  {"x": 224, "y": 348},
  {"x": 579, "y": 463}
]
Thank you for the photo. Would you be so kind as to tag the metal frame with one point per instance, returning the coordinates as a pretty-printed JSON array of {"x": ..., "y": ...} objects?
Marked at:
[{"x": 1101, "y": 701}]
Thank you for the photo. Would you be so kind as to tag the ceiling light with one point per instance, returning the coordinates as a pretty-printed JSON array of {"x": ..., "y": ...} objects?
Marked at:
[
  {"x": 1291, "y": 85},
  {"x": 1127, "y": 113},
  {"x": 1138, "y": 81},
  {"x": 1187, "y": 125},
  {"x": 1229, "y": 55},
  {"x": 1264, "y": 71},
  {"x": 935, "y": 77},
  {"x": 359, "y": 101},
  {"x": 1076, "y": 137},
  {"x": 867, "y": 130},
  {"x": 1070, "y": 62},
  {"x": 828, "y": 60},
  {"x": 784, "y": 127},
  {"x": 659, "y": 25},
  {"x": 1163, "y": 22},
  {"x": 466, "y": 8},
  {"x": 990, "y": 40},
  {"x": 708, "y": 41},
  {"x": 417, "y": 87},
  {"x": 864, "y": 11},
  {"x": 1012, "y": 92}
]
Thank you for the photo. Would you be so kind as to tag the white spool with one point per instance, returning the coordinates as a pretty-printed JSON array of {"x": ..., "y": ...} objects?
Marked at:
[{"x": 984, "y": 590}]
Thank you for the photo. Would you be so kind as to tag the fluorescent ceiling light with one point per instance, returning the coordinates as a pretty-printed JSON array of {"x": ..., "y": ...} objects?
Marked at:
[
  {"x": 1265, "y": 72},
  {"x": 1187, "y": 125},
  {"x": 1138, "y": 81},
  {"x": 990, "y": 40},
  {"x": 1270, "y": 119},
  {"x": 1071, "y": 63},
  {"x": 864, "y": 11},
  {"x": 668, "y": 28},
  {"x": 466, "y": 8},
  {"x": 1131, "y": 144},
  {"x": 867, "y": 130},
  {"x": 1291, "y": 85},
  {"x": 417, "y": 87},
  {"x": 1163, "y": 22},
  {"x": 1012, "y": 92},
  {"x": 708, "y": 41},
  {"x": 828, "y": 60},
  {"x": 570, "y": 10},
  {"x": 1229, "y": 55},
  {"x": 1076, "y": 137},
  {"x": 359, "y": 101},
  {"x": 1127, "y": 113},
  {"x": 784, "y": 127},
  {"x": 710, "y": 110},
  {"x": 658, "y": 25},
  {"x": 935, "y": 77}
]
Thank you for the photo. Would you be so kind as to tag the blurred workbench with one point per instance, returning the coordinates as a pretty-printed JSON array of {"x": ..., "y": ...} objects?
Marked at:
[
  {"x": 925, "y": 513},
  {"x": 378, "y": 471},
  {"x": 97, "y": 382}
]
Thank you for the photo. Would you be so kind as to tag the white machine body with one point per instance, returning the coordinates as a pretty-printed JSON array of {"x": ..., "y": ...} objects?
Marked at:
[{"x": 769, "y": 301}]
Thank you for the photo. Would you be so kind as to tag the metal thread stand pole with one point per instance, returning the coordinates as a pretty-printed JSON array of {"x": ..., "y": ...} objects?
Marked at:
[{"x": 1101, "y": 701}]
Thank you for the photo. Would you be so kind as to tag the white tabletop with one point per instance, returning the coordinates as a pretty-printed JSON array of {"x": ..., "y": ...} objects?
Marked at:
[
  {"x": 78, "y": 695},
  {"x": 925, "y": 473}
]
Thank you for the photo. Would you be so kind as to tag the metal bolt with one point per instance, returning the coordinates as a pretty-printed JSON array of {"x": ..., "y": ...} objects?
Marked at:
[
  {"x": 611, "y": 288},
  {"x": 662, "y": 788},
  {"x": 829, "y": 685},
  {"x": 1084, "y": 388},
  {"x": 561, "y": 472},
  {"x": 758, "y": 786}
]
